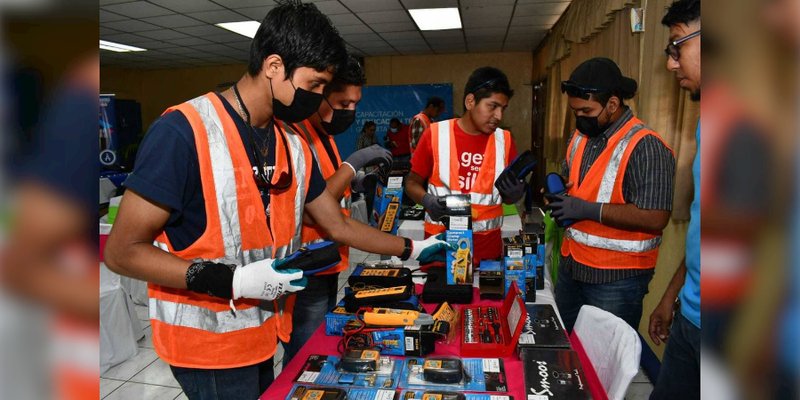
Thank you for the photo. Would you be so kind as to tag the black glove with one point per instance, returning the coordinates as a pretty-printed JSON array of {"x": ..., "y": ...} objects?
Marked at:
[
  {"x": 213, "y": 279},
  {"x": 372, "y": 155},
  {"x": 510, "y": 188},
  {"x": 564, "y": 207},
  {"x": 435, "y": 206}
]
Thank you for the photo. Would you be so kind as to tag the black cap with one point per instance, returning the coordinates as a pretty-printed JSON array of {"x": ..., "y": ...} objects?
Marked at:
[{"x": 599, "y": 75}]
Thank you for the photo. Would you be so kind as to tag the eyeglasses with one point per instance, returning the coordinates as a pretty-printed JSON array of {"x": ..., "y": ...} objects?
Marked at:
[
  {"x": 575, "y": 90},
  {"x": 674, "y": 48},
  {"x": 263, "y": 173}
]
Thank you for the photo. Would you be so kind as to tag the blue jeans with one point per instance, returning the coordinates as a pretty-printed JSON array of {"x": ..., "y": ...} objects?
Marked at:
[
  {"x": 679, "y": 377},
  {"x": 310, "y": 308},
  {"x": 223, "y": 384},
  {"x": 622, "y": 298}
]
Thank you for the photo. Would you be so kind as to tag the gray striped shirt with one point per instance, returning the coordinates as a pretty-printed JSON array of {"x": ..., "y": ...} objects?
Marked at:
[{"x": 647, "y": 183}]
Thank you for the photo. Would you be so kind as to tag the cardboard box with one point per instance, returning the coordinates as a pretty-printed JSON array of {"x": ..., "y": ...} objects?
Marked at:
[
  {"x": 515, "y": 271},
  {"x": 386, "y": 207},
  {"x": 553, "y": 374},
  {"x": 491, "y": 279}
]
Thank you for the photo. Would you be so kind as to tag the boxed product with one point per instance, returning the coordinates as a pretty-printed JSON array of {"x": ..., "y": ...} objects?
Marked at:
[
  {"x": 386, "y": 208},
  {"x": 336, "y": 319},
  {"x": 516, "y": 271},
  {"x": 491, "y": 280},
  {"x": 447, "y": 395},
  {"x": 454, "y": 374},
  {"x": 356, "y": 368},
  {"x": 306, "y": 392},
  {"x": 553, "y": 374},
  {"x": 489, "y": 330},
  {"x": 542, "y": 328},
  {"x": 459, "y": 234}
]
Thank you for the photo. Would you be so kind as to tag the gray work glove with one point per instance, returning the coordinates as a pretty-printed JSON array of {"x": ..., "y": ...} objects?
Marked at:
[
  {"x": 566, "y": 208},
  {"x": 435, "y": 206},
  {"x": 372, "y": 155},
  {"x": 510, "y": 188},
  {"x": 363, "y": 181}
]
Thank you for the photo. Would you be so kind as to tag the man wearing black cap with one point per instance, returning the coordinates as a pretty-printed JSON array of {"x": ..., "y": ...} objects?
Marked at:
[{"x": 618, "y": 200}]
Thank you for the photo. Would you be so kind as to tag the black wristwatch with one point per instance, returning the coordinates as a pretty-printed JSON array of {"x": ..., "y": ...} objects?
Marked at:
[{"x": 407, "y": 249}]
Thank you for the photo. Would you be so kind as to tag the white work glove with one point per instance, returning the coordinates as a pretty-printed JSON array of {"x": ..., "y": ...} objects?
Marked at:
[
  {"x": 430, "y": 250},
  {"x": 260, "y": 280}
]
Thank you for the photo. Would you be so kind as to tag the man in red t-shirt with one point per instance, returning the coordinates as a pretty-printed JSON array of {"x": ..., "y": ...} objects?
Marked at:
[
  {"x": 397, "y": 140},
  {"x": 474, "y": 151}
]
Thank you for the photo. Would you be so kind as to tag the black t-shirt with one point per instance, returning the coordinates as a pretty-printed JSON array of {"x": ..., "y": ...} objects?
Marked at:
[{"x": 167, "y": 172}]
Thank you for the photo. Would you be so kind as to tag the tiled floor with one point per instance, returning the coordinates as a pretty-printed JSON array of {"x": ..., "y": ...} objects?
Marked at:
[{"x": 146, "y": 377}]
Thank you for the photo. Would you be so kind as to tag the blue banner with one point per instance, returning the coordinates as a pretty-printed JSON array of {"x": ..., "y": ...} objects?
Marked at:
[{"x": 382, "y": 103}]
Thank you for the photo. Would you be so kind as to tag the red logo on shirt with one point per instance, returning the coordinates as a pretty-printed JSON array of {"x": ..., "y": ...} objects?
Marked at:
[{"x": 470, "y": 165}]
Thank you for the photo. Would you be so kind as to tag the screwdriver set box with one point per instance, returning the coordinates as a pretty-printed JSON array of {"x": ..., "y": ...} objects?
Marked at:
[{"x": 489, "y": 330}]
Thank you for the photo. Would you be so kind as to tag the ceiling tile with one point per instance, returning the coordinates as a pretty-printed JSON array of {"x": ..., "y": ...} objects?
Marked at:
[
  {"x": 384, "y": 16},
  {"x": 184, "y": 6},
  {"x": 540, "y": 9},
  {"x": 524, "y": 32},
  {"x": 354, "y": 29},
  {"x": 406, "y": 35},
  {"x": 546, "y": 20},
  {"x": 190, "y": 41},
  {"x": 131, "y": 25},
  {"x": 372, "y": 5},
  {"x": 361, "y": 37},
  {"x": 106, "y": 16},
  {"x": 173, "y": 21},
  {"x": 108, "y": 31},
  {"x": 215, "y": 17},
  {"x": 218, "y": 49},
  {"x": 246, "y": 3},
  {"x": 163, "y": 34},
  {"x": 186, "y": 51},
  {"x": 394, "y": 26},
  {"x": 331, "y": 7},
  {"x": 480, "y": 45},
  {"x": 407, "y": 42},
  {"x": 450, "y": 49},
  {"x": 137, "y": 9},
  {"x": 255, "y": 13},
  {"x": 541, "y": 1},
  {"x": 470, "y": 3},
  {"x": 153, "y": 44},
  {"x": 414, "y": 50},
  {"x": 201, "y": 30},
  {"x": 226, "y": 37},
  {"x": 430, "y": 3},
  {"x": 345, "y": 19},
  {"x": 485, "y": 16},
  {"x": 125, "y": 38},
  {"x": 241, "y": 45},
  {"x": 444, "y": 35},
  {"x": 107, "y": 2},
  {"x": 485, "y": 32},
  {"x": 361, "y": 44}
]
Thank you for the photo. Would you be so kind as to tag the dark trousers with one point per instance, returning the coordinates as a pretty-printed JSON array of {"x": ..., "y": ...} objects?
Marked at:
[
  {"x": 679, "y": 377},
  {"x": 223, "y": 384},
  {"x": 310, "y": 307},
  {"x": 622, "y": 298}
]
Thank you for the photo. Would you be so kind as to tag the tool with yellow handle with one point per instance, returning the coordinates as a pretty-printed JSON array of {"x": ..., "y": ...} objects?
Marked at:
[{"x": 393, "y": 317}]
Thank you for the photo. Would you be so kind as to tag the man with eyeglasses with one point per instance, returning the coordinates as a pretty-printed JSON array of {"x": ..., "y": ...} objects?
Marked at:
[
  {"x": 618, "y": 200},
  {"x": 335, "y": 115},
  {"x": 221, "y": 185}
]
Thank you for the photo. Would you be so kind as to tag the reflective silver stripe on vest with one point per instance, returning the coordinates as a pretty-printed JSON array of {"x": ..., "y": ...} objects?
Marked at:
[
  {"x": 487, "y": 224},
  {"x": 612, "y": 169},
  {"x": 574, "y": 148},
  {"x": 444, "y": 150},
  {"x": 630, "y": 246},
  {"x": 191, "y": 316}
]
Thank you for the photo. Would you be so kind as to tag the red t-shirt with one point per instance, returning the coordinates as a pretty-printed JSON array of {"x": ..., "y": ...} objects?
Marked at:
[
  {"x": 470, "y": 149},
  {"x": 401, "y": 137}
]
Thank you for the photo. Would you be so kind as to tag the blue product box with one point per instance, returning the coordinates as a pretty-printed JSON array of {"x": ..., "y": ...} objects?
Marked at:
[
  {"x": 386, "y": 207},
  {"x": 484, "y": 375},
  {"x": 459, "y": 261},
  {"x": 324, "y": 370},
  {"x": 420, "y": 395},
  {"x": 515, "y": 271}
]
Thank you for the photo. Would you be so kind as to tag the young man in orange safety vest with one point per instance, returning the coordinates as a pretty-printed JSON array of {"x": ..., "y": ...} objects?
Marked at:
[
  {"x": 221, "y": 185},
  {"x": 619, "y": 197},
  {"x": 466, "y": 155},
  {"x": 336, "y": 114},
  {"x": 422, "y": 121}
]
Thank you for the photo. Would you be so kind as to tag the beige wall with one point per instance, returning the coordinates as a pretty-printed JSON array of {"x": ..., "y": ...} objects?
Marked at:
[{"x": 455, "y": 69}]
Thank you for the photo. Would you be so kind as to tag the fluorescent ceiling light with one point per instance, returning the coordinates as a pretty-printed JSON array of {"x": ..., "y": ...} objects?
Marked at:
[
  {"x": 244, "y": 28},
  {"x": 436, "y": 19},
  {"x": 118, "y": 47}
]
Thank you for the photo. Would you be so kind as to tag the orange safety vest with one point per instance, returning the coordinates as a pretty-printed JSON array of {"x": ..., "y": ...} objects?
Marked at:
[
  {"x": 195, "y": 330},
  {"x": 312, "y": 233},
  {"x": 426, "y": 123},
  {"x": 487, "y": 206},
  {"x": 592, "y": 243},
  {"x": 728, "y": 260}
]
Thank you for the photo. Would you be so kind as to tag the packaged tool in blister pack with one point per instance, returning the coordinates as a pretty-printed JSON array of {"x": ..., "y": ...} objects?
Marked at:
[
  {"x": 340, "y": 316},
  {"x": 379, "y": 275},
  {"x": 364, "y": 368},
  {"x": 449, "y": 395},
  {"x": 454, "y": 374},
  {"x": 458, "y": 221},
  {"x": 304, "y": 392}
]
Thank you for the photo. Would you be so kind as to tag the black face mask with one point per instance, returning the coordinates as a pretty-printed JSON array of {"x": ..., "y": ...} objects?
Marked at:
[
  {"x": 340, "y": 121},
  {"x": 590, "y": 126},
  {"x": 304, "y": 105}
]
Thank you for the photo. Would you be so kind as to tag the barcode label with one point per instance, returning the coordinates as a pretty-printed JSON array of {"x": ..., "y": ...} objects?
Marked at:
[
  {"x": 515, "y": 253},
  {"x": 459, "y": 223},
  {"x": 308, "y": 376},
  {"x": 385, "y": 395},
  {"x": 395, "y": 182},
  {"x": 537, "y": 397},
  {"x": 527, "y": 339},
  {"x": 491, "y": 365},
  {"x": 409, "y": 344}
]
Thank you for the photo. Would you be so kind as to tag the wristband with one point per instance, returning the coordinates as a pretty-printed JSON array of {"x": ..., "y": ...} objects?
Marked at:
[{"x": 407, "y": 249}]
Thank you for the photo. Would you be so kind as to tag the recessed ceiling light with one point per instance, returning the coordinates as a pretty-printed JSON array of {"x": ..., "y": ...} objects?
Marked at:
[
  {"x": 244, "y": 28},
  {"x": 436, "y": 19},
  {"x": 118, "y": 47}
]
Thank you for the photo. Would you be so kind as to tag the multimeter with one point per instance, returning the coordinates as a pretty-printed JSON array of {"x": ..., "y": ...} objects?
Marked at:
[
  {"x": 522, "y": 165},
  {"x": 443, "y": 370},
  {"x": 360, "y": 360},
  {"x": 313, "y": 258},
  {"x": 554, "y": 184},
  {"x": 318, "y": 393},
  {"x": 442, "y": 395}
]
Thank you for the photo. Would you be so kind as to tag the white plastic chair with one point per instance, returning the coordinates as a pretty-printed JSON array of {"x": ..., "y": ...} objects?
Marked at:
[{"x": 612, "y": 346}]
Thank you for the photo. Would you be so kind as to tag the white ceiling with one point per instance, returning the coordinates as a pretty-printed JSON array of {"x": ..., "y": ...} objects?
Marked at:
[{"x": 181, "y": 33}]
